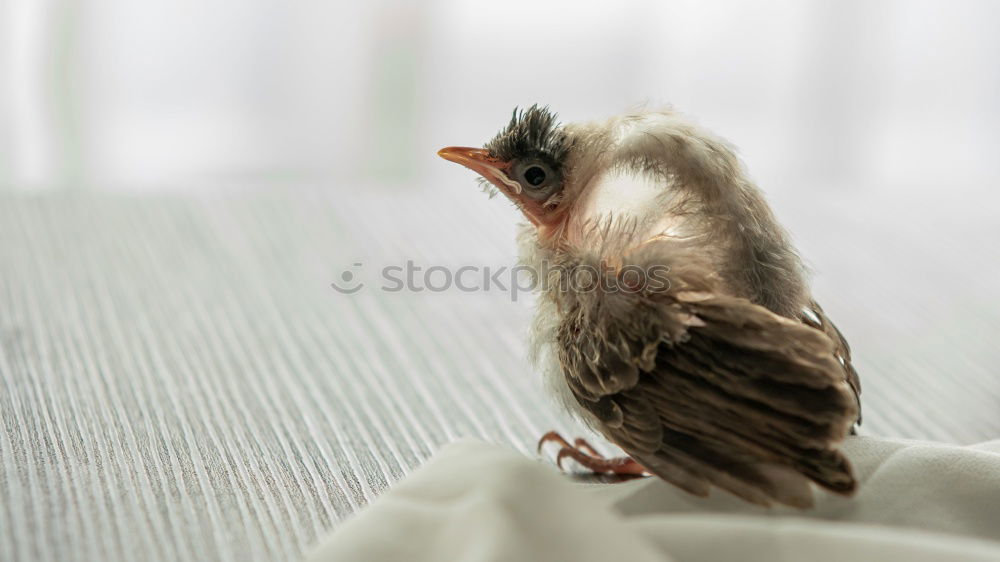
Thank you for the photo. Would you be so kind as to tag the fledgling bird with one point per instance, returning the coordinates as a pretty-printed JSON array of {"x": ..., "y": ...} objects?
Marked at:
[{"x": 674, "y": 316}]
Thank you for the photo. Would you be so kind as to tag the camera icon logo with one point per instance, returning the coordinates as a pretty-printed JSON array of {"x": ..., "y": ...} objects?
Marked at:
[{"x": 347, "y": 284}]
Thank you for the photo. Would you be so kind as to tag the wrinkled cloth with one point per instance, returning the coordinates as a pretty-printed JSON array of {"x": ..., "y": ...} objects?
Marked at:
[{"x": 476, "y": 502}]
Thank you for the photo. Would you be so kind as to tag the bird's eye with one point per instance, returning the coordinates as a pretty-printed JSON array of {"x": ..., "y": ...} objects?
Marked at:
[{"x": 536, "y": 176}]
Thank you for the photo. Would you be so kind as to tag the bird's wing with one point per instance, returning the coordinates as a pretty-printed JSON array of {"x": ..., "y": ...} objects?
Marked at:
[
  {"x": 815, "y": 317},
  {"x": 708, "y": 389}
]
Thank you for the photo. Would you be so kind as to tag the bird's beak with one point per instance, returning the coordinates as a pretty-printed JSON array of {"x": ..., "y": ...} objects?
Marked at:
[
  {"x": 480, "y": 161},
  {"x": 493, "y": 169}
]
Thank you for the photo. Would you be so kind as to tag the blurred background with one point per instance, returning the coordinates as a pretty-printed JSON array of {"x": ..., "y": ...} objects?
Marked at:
[
  {"x": 873, "y": 126},
  {"x": 170, "y": 94}
]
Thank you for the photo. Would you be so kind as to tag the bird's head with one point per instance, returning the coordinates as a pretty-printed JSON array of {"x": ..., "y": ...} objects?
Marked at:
[
  {"x": 639, "y": 170},
  {"x": 526, "y": 162}
]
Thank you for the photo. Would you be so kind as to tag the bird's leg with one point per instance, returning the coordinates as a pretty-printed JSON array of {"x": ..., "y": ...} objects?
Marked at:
[
  {"x": 581, "y": 444},
  {"x": 618, "y": 466},
  {"x": 582, "y": 452}
]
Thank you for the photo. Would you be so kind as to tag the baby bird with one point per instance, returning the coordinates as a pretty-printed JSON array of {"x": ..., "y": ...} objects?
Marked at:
[{"x": 673, "y": 316}]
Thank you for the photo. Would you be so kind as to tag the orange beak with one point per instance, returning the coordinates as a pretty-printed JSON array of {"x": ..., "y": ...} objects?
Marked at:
[
  {"x": 480, "y": 161},
  {"x": 495, "y": 170}
]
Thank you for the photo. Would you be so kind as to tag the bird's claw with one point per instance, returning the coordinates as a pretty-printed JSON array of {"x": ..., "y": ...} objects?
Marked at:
[
  {"x": 578, "y": 443},
  {"x": 584, "y": 453}
]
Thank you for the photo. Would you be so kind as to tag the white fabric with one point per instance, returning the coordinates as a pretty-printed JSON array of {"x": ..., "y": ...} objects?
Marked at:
[{"x": 475, "y": 501}]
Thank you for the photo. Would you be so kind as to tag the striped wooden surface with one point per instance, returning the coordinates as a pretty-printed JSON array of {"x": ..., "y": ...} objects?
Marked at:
[{"x": 180, "y": 382}]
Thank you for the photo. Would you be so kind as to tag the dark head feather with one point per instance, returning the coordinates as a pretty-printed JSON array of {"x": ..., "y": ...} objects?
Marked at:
[{"x": 531, "y": 132}]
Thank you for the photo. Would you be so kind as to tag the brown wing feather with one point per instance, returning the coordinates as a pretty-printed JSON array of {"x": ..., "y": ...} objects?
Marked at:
[
  {"x": 815, "y": 317},
  {"x": 704, "y": 388}
]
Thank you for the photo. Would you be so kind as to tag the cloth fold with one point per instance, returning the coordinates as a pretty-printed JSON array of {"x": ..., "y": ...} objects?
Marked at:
[{"x": 476, "y": 501}]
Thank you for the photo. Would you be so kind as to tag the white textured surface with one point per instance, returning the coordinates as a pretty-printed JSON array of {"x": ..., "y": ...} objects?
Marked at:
[
  {"x": 473, "y": 498},
  {"x": 179, "y": 382}
]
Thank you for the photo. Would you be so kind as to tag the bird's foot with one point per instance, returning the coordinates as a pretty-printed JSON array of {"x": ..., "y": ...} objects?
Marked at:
[{"x": 582, "y": 452}]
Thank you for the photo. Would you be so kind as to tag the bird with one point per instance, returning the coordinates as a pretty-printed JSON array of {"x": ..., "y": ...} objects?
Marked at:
[{"x": 674, "y": 316}]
